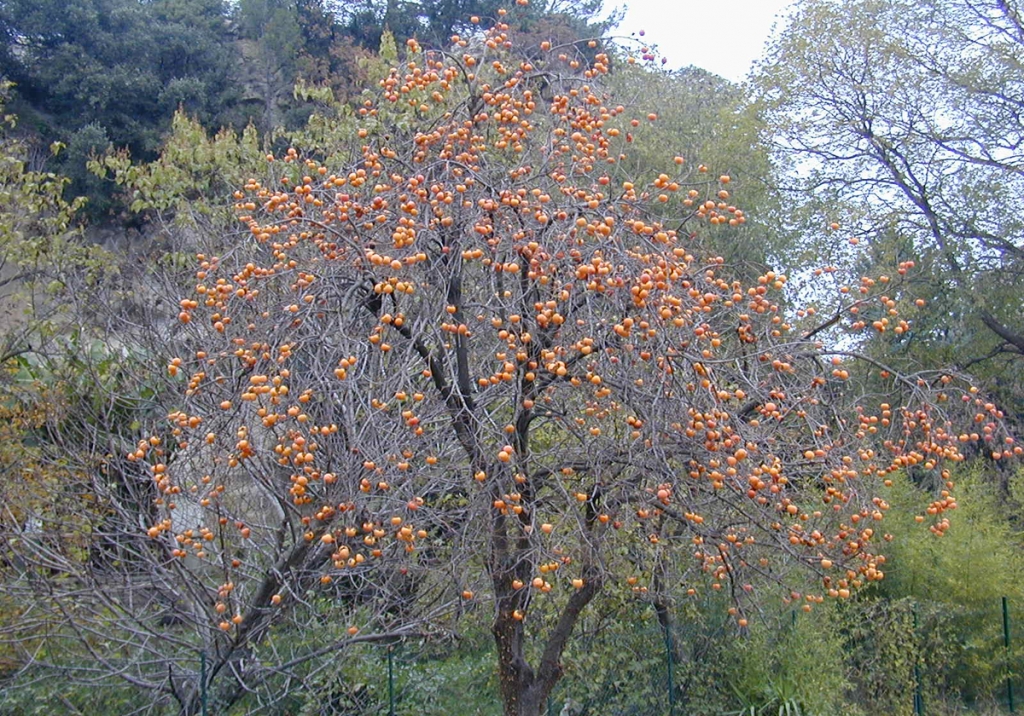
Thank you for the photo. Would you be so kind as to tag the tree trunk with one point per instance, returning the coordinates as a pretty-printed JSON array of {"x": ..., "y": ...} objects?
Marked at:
[
  {"x": 532, "y": 704},
  {"x": 524, "y": 691}
]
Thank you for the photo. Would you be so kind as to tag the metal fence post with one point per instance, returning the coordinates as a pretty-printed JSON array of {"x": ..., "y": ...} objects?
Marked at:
[
  {"x": 671, "y": 675},
  {"x": 202, "y": 682},
  {"x": 918, "y": 700},
  {"x": 1006, "y": 645},
  {"x": 391, "y": 681}
]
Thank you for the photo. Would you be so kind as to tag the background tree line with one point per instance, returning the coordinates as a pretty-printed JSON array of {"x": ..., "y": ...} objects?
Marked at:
[{"x": 99, "y": 73}]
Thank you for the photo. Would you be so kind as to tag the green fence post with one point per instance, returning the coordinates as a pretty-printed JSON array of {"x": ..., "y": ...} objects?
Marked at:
[
  {"x": 668, "y": 661},
  {"x": 202, "y": 682},
  {"x": 918, "y": 700},
  {"x": 391, "y": 681},
  {"x": 1006, "y": 645}
]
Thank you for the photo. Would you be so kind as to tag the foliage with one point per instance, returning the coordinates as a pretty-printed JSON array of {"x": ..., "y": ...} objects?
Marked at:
[
  {"x": 41, "y": 263},
  {"x": 795, "y": 669},
  {"x": 41, "y": 256},
  {"x": 895, "y": 647},
  {"x": 83, "y": 146},
  {"x": 434, "y": 23},
  {"x": 48, "y": 697},
  {"x": 980, "y": 566},
  {"x": 120, "y": 65},
  {"x": 274, "y": 37},
  {"x": 192, "y": 175},
  {"x": 958, "y": 584},
  {"x": 67, "y": 508},
  {"x": 708, "y": 120},
  {"x": 71, "y": 392},
  {"x": 440, "y": 678},
  {"x": 900, "y": 120}
]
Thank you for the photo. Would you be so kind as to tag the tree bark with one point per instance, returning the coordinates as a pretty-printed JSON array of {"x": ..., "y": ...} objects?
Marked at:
[
  {"x": 524, "y": 691},
  {"x": 1014, "y": 339}
]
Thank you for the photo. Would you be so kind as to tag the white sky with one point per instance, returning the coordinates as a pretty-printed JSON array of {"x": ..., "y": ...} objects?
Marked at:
[{"x": 723, "y": 37}]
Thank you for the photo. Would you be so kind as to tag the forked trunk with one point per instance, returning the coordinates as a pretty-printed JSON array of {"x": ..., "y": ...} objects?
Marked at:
[{"x": 524, "y": 690}]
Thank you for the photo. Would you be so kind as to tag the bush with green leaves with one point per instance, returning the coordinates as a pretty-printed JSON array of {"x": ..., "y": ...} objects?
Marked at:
[{"x": 957, "y": 583}]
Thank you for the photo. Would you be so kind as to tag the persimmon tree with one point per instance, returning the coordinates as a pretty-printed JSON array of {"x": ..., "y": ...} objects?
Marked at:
[{"x": 451, "y": 367}]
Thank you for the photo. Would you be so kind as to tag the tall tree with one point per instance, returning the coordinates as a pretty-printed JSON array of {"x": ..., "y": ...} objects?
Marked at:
[
  {"x": 433, "y": 23},
  {"x": 95, "y": 72},
  {"x": 89, "y": 61},
  {"x": 273, "y": 42},
  {"x": 195, "y": 58},
  {"x": 903, "y": 120},
  {"x": 119, "y": 64}
]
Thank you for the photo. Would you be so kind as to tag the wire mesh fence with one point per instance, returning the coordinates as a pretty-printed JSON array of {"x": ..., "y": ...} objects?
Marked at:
[
  {"x": 900, "y": 657},
  {"x": 864, "y": 658}
]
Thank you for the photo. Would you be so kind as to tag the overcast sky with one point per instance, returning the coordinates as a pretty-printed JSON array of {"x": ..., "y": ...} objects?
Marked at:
[{"x": 723, "y": 37}]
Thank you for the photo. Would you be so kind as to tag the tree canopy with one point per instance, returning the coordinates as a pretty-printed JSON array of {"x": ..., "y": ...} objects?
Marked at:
[{"x": 902, "y": 119}]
